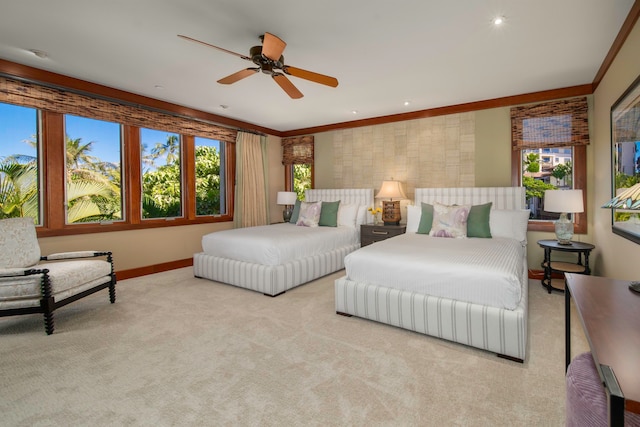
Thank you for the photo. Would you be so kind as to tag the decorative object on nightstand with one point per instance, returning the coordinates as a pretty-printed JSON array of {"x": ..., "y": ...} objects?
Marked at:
[
  {"x": 391, "y": 208},
  {"x": 374, "y": 212},
  {"x": 288, "y": 199},
  {"x": 628, "y": 200},
  {"x": 563, "y": 202}
]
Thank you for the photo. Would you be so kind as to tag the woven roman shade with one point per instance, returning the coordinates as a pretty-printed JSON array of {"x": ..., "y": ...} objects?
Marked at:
[
  {"x": 46, "y": 98},
  {"x": 562, "y": 123},
  {"x": 297, "y": 150}
]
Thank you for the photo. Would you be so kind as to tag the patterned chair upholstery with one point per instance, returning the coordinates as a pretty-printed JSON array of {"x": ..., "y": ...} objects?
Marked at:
[{"x": 31, "y": 283}]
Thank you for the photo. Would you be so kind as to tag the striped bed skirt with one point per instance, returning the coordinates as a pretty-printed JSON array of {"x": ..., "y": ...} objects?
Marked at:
[
  {"x": 270, "y": 279},
  {"x": 488, "y": 328}
]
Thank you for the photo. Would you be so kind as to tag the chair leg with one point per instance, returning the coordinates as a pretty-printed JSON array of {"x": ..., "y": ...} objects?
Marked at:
[
  {"x": 48, "y": 322},
  {"x": 112, "y": 292}
]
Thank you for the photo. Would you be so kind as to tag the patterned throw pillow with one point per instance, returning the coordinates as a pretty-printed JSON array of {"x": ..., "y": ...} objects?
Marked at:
[
  {"x": 449, "y": 221},
  {"x": 309, "y": 214}
]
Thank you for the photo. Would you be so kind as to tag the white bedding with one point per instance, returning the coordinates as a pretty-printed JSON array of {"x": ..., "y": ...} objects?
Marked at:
[
  {"x": 278, "y": 243},
  {"x": 482, "y": 271}
]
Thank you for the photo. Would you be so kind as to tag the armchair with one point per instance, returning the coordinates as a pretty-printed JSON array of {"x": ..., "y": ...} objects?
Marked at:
[{"x": 31, "y": 283}]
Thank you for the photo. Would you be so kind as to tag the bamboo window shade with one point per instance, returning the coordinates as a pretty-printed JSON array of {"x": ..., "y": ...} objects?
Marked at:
[
  {"x": 47, "y": 98},
  {"x": 297, "y": 150},
  {"x": 562, "y": 123}
]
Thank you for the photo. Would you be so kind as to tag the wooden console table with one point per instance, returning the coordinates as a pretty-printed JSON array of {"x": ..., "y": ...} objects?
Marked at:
[{"x": 610, "y": 315}]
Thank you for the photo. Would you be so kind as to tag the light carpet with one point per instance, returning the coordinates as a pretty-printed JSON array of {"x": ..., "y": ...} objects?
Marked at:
[{"x": 176, "y": 350}]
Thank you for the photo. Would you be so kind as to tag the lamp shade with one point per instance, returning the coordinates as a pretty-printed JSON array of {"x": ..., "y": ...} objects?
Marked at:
[
  {"x": 563, "y": 201},
  {"x": 629, "y": 198},
  {"x": 286, "y": 198},
  {"x": 391, "y": 190}
]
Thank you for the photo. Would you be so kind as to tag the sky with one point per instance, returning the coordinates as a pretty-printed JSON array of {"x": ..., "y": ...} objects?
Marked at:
[{"x": 18, "y": 124}]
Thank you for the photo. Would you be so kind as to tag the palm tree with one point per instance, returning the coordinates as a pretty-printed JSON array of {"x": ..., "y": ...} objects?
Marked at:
[
  {"x": 18, "y": 188},
  {"x": 170, "y": 148}
]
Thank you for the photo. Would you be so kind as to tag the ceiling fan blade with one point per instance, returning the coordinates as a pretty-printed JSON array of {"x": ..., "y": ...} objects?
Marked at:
[
  {"x": 287, "y": 86},
  {"x": 311, "y": 76},
  {"x": 215, "y": 47},
  {"x": 238, "y": 76},
  {"x": 272, "y": 47}
]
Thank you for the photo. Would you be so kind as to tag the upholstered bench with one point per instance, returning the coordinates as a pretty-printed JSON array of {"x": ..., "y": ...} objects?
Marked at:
[{"x": 586, "y": 396}]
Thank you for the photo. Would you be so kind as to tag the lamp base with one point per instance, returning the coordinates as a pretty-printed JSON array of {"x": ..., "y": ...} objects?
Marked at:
[
  {"x": 391, "y": 212},
  {"x": 286, "y": 214},
  {"x": 564, "y": 230}
]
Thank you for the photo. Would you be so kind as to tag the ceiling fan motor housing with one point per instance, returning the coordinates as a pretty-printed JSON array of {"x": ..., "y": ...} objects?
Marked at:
[{"x": 266, "y": 65}]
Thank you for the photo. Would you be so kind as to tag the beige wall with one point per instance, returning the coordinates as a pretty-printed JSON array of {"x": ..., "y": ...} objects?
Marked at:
[
  {"x": 491, "y": 163},
  {"x": 142, "y": 248},
  {"x": 617, "y": 256}
]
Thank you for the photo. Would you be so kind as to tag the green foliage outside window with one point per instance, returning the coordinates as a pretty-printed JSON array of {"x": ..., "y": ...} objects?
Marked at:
[{"x": 301, "y": 179}]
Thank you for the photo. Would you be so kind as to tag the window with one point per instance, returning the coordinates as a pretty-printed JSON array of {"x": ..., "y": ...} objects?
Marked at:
[
  {"x": 549, "y": 152},
  {"x": 210, "y": 197},
  {"x": 297, "y": 156},
  {"x": 19, "y": 162},
  {"x": 161, "y": 174},
  {"x": 93, "y": 170},
  {"x": 82, "y": 169}
]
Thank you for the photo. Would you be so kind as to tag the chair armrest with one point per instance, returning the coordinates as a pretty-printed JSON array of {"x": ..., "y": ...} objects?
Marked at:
[
  {"x": 19, "y": 272},
  {"x": 73, "y": 255}
]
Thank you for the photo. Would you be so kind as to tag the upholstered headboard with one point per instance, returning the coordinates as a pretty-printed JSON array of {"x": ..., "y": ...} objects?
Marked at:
[
  {"x": 358, "y": 196},
  {"x": 502, "y": 197}
]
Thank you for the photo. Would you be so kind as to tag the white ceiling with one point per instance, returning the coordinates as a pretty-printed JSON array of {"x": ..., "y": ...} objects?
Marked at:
[{"x": 432, "y": 53}]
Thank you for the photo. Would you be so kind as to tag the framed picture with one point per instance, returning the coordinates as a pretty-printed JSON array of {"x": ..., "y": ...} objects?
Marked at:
[{"x": 625, "y": 158}]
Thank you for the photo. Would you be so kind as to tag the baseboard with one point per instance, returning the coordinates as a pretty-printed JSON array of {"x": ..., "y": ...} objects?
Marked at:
[{"x": 156, "y": 268}]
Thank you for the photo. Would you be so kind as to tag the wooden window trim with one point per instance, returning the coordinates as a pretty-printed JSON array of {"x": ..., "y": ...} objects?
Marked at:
[
  {"x": 53, "y": 172},
  {"x": 579, "y": 182}
]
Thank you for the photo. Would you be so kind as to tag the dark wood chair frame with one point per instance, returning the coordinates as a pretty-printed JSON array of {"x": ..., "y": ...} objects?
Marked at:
[{"x": 48, "y": 302}]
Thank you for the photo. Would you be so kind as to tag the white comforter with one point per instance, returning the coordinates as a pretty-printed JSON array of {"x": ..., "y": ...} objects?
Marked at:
[
  {"x": 482, "y": 271},
  {"x": 278, "y": 243}
]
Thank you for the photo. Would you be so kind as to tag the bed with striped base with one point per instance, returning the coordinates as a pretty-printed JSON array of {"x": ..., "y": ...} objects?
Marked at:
[
  {"x": 489, "y": 328},
  {"x": 273, "y": 280}
]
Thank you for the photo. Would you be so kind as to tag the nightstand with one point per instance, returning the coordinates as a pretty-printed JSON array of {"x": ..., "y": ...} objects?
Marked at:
[
  {"x": 375, "y": 233},
  {"x": 550, "y": 266}
]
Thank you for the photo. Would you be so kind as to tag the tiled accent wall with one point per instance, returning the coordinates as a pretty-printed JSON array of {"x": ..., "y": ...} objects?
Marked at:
[{"x": 431, "y": 152}]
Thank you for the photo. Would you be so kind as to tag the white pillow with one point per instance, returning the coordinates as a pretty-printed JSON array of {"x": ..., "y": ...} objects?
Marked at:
[
  {"x": 361, "y": 218},
  {"x": 309, "y": 214},
  {"x": 414, "y": 213},
  {"x": 509, "y": 223},
  {"x": 347, "y": 214},
  {"x": 450, "y": 221}
]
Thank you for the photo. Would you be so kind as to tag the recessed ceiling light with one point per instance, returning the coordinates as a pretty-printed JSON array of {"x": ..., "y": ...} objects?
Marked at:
[
  {"x": 354, "y": 111},
  {"x": 159, "y": 87},
  {"x": 39, "y": 53},
  {"x": 406, "y": 103},
  {"x": 498, "y": 20}
]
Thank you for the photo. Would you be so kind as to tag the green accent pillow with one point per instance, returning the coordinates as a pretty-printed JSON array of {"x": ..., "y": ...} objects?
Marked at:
[
  {"x": 296, "y": 212},
  {"x": 329, "y": 214},
  {"x": 478, "y": 221},
  {"x": 426, "y": 219}
]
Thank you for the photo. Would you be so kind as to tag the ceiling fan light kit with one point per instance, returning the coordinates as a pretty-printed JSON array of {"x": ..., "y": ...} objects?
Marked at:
[{"x": 269, "y": 60}]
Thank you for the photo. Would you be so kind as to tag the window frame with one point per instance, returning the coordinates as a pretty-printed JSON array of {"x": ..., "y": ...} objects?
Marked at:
[
  {"x": 579, "y": 182},
  {"x": 52, "y": 152}
]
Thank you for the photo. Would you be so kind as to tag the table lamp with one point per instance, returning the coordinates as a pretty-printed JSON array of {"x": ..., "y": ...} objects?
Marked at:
[
  {"x": 564, "y": 202},
  {"x": 288, "y": 199},
  {"x": 391, "y": 208},
  {"x": 628, "y": 199}
]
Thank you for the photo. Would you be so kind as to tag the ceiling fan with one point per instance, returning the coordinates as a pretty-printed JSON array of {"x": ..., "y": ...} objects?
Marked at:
[{"x": 269, "y": 60}]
